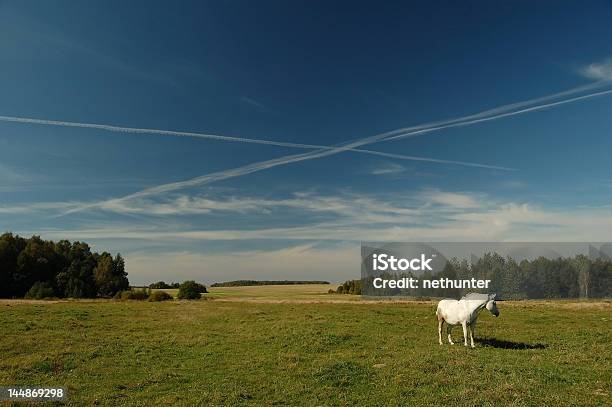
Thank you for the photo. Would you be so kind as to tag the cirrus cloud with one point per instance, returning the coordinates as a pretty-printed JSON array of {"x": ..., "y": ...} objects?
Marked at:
[{"x": 601, "y": 71}]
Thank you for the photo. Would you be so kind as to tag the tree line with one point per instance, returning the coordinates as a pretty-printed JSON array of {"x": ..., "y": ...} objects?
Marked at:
[
  {"x": 162, "y": 285},
  {"x": 570, "y": 277},
  {"x": 187, "y": 290},
  {"x": 245, "y": 283},
  {"x": 37, "y": 268}
]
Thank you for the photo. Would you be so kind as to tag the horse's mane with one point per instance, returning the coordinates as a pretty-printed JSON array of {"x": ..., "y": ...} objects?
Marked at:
[{"x": 476, "y": 296}]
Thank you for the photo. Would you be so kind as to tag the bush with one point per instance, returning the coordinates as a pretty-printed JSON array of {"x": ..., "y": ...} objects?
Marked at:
[
  {"x": 139, "y": 295},
  {"x": 159, "y": 296},
  {"x": 201, "y": 288},
  {"x": 40, "y": 290},
  {"x": 190, "y": 290},
  {"x": 350, "y": 287}
]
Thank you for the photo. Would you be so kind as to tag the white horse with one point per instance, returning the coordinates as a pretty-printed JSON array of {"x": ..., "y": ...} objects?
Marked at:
[{"x": 464, "y": 312}]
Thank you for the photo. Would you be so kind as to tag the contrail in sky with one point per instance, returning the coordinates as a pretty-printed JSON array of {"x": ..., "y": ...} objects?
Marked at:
[
  {"x": 498, "y": 116},
  {"x": 487, "y": 115},
  {"x": 133, "y": 130},
  {"x": 491, "y": 114},
  {"x": 496, "y": 113},
  {"x": 323, "y": 151},
  {"x": 540, "y": 103}
]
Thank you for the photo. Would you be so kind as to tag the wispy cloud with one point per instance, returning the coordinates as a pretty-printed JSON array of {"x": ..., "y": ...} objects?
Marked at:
[
  {"x": 388, "y": 169},
  {"x": 254, "y": 103},
  {"x": 454, "y": 218},
  {"x": 343, "y": 205},
  {"x": 601, "y": 71},
  {"x": 513, "y": 184},
  {"x": 450, "y": 199},
  {"x": 448, "y": 221},
  {"x": 11, "y": 175},
  {"x": 423, "y": 215},
  {"x": 30, "y": 208}
]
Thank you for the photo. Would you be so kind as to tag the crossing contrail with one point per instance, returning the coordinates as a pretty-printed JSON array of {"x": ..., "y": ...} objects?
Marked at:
[
  {"x": 523, "y": 107},
  {"x": 134, "y": 130},
  {"x": 487, "y": 115},
  {"x": 495, "y": 113}
]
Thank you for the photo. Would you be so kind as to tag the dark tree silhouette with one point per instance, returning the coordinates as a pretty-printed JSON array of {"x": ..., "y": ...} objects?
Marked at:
[{"x": 44, "y": 268}]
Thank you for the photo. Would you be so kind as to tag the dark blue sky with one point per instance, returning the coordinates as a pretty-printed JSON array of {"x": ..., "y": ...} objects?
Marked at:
[{"x": 305, "y": 72}]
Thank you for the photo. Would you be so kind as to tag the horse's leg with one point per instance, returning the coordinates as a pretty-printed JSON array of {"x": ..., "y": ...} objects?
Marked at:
[
  {"x": 465, "y": 333},
  {"x": 472, "y": 331},
  {"x": 440, "y": 323},
  {"x": 448, "y": 331}
]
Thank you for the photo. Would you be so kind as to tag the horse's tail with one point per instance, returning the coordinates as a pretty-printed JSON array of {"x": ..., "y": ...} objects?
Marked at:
[{"x": 438, "y": 313}]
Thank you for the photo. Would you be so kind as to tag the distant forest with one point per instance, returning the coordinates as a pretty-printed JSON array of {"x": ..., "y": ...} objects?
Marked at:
[
  {"x": 571, "y": 277},
  {"x": 243, "y": 283},
  {"x": 37, "y": 268}
]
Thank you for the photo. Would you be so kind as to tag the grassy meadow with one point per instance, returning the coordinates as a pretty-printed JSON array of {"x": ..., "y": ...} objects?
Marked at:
[{"x": 296, "y": 345}]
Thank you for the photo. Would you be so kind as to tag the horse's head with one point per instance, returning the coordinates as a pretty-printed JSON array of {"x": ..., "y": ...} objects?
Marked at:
[{"x": 492, "y": 306}]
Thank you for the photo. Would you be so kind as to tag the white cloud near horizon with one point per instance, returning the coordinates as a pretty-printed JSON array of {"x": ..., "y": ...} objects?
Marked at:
[
  {"x": 452, "y": 199},
  {"x": 343, "y": 204},
  {"x": 326, "y": 260},
  {"x": 430, "y": 214},
  {"x": 425, "y": 215}
]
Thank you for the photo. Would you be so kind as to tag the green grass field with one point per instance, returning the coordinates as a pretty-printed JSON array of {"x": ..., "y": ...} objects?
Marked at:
[{"x": 257, "y": 346}]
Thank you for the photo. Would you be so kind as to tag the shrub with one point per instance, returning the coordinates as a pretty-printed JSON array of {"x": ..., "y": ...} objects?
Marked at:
[
  {"x": 201, "y": 288},
  {"x": 331, "y": 291},
  {"x": 159, "y": 296},
  {"x": 190, "y": 290},
  {"x": 40, "y": 290},
  {"x": 350, "y": 287},
  {"x": 139, "y": 295}
]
